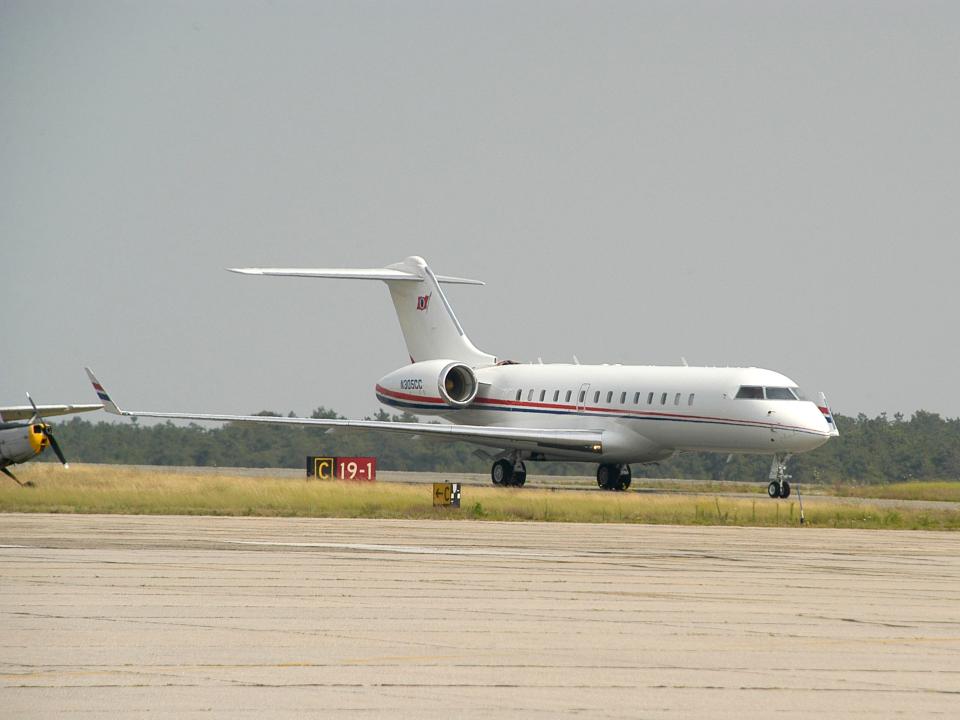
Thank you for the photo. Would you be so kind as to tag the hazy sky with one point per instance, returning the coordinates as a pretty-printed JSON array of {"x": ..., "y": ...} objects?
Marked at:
[{"x": 773, "y": 184}]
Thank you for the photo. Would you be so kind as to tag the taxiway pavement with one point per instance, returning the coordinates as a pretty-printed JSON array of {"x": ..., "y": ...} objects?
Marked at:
[{"x": 110, "y": 616}]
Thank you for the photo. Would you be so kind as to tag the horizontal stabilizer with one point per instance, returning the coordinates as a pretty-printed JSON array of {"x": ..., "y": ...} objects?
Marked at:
[
  {"x": 385, "y": 274},
  {"x": 429, "y": 325}
]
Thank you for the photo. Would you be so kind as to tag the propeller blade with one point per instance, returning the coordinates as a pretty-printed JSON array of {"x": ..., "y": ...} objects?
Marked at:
[
  {"x": 48, "y": 433},
  {"x": 36, "y": 412},
  {"x": 55, "y": 445}
]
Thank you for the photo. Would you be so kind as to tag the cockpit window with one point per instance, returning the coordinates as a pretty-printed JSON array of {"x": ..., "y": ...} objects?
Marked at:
[
  {"x": 780, "y": 393},
  {"x": 750, "y": 392}
]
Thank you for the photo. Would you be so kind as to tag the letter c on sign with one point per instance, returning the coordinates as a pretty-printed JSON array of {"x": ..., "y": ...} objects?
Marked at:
[{"x": 324, "y": 468}]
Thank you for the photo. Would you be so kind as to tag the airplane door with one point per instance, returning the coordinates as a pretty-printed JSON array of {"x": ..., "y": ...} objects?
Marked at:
[
  {"x": 582, "y": 396},
  {"x": 775, "y": 428}
]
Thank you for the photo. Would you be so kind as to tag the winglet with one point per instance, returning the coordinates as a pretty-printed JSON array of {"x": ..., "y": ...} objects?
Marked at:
[
  {"x": 828, "y": 415},
  {"x": 109, "y": 405}
]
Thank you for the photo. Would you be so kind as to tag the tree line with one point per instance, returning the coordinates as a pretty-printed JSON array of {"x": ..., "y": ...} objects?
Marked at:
[{"x": 869, "y": 450}]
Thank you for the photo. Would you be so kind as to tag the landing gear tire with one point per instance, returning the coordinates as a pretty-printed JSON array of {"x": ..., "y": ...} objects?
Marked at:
[
  {"x": 502, "y": 472},
  {"x": 613, "y": 477},
  {"x": 773, "y": 489},
  {"x": 519, "y": 474},
  {"x": 505, "y": 472},
  {"x": 603, "y": 476},
  {"x": 784, "y": 489}
]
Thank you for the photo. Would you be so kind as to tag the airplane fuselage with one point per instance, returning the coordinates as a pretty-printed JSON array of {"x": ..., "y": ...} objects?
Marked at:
[
  {"x": 20, "y": 442},
  {"x": 646, "y": 413}
]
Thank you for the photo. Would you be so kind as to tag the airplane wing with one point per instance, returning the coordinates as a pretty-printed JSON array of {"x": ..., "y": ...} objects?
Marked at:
[
  {"x": 25, "y": 412},
  {"x": 499, "y": 437}
]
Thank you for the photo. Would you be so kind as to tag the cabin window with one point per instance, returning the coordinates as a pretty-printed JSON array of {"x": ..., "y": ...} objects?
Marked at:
[
  {"x": 649, "y": 398},
  {"x": 690, "y": 399},
  {"x": 609, "y": 396},
  {"x": 530, "y": 395},
  {"x": 750, "y": 392},
  {"x": 583, "y": 394},
  {"x": 663, "y": 399},
  {"x": 623, "y": 398},
  {"x": 543, "y": 394},
  {"x": 636, "y": 398},
  {"x": 676, "y": 399},
  {"x": 519, "y": 394},
  {"x": 780, "y": 393},
  {"x": 567, "y": 397},
  {"x": 596, "y": 396},
  {"x": 556, "y": 395}
]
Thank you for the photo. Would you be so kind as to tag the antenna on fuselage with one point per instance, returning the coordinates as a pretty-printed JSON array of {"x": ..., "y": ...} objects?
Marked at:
[
  {"x": 684, "y": 361},
  {"x": 576, "y": 360}
]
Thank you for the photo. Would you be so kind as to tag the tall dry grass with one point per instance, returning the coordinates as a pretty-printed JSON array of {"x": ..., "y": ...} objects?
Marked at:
[
  {"x": 102, "y": 489},
  {"x": 941, "y": 491}
]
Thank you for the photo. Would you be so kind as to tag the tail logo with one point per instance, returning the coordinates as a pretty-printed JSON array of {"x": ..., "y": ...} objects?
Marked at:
[{"x": 423, "y": 301}]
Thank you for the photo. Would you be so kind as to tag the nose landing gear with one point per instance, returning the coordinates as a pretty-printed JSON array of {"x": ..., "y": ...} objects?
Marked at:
[
  {"x": 779, "y": 486},
  {"x": 611, "y": 476}
]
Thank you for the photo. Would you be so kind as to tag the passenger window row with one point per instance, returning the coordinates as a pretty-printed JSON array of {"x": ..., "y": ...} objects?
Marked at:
[{"x": 609, "y": 397}]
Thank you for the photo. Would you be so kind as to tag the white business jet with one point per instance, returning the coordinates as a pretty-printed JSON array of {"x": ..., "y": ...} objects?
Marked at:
[{"x": 610, "y": 414}]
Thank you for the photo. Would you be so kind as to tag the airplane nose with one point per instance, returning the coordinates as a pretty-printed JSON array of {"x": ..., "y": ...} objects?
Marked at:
[
  {"x": 806, "y": 441},
  {"x": 812, "y": 428}
]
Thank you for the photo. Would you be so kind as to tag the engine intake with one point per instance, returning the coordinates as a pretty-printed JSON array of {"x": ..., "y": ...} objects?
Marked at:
[
  {"x": 458, "y": 384},
  {"x": 430, "y": 386}
]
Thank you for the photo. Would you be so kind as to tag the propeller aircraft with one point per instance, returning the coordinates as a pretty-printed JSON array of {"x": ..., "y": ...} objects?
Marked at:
[{"x": 23, "y": 441}]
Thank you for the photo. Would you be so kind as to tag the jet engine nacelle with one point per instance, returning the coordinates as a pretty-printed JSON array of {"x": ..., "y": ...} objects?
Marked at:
[{"x": 430, "y": 384}]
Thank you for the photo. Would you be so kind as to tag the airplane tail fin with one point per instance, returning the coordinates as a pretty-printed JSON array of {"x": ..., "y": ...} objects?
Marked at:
[{"x": 430, "y": 327}]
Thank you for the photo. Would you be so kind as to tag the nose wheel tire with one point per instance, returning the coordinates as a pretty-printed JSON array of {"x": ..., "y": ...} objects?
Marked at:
[{"x": 778, "y": 490}]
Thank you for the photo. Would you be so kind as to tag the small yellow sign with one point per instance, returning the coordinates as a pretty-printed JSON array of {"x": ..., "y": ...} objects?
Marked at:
[{"x": 446, "y": 495}]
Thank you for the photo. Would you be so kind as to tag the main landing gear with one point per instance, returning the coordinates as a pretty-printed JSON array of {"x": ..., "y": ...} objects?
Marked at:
[
  {"x": 512, "y": 472},
  {"x": 509, "y": 472},
  {"x": 779, "y": 487},
  {"x": 611, "y": 476}
]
